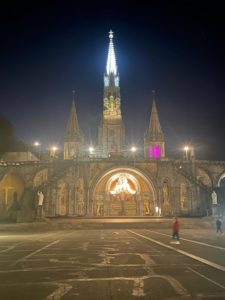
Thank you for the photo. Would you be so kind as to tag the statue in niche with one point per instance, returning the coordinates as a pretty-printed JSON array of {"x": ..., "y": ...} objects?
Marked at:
[
  {"x": 184, "y": 197},
  {"x": 165, "y": 192},
  {"x": 166, "y": 206},
  {"x": 40, "y": 204},
  {"x": 80, "y": 197},
  {"x": 146, "y": 207},
  {"x": 99, "y": 209},
  {"x": 40, "y": 198},
  {"x": 214, "y": 198},
  {"x": 62, "y": 199}
]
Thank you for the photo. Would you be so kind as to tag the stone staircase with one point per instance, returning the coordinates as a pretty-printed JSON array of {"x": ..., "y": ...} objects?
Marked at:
[
  {"x": 56, "y": 176},
  {"x": 181, "y": 169}
]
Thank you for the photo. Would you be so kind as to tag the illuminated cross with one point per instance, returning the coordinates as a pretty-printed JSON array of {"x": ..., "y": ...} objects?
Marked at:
[{"x": 111, "y": 34}]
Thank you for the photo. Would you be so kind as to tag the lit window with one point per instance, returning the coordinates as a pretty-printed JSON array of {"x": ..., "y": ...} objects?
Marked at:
[{"x": 155, "y": 151}]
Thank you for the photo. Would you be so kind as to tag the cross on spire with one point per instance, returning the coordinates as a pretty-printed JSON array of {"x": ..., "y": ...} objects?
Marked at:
[
  {"x": 111, "y": 67},
  {"x": 111, "y": 34}
]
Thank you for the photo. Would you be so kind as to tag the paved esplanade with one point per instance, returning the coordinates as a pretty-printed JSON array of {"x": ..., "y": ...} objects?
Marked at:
[{"x": 112, "y": 264}]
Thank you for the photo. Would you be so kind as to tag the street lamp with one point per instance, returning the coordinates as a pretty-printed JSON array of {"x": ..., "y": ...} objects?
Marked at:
[
  {"x": 37, "y": 146},
  {"x": 133, "y": 149},
  {"x": 186, "y": 148},
  {"x": 91, "y": 149},
  {"x": 53, "y": 151}
]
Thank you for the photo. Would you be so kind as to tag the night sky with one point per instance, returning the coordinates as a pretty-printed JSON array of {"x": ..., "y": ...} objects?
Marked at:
[{"x": 48, "y": 50}]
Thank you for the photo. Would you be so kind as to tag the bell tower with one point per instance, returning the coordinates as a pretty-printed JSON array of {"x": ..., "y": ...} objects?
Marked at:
[
  {"x": 154, "y": 144},
  {"x": 111, "y": 128},
  {"x": 73, "y": 140}
]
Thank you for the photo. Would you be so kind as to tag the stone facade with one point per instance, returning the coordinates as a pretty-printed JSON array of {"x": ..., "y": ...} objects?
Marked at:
[
  {"x": 113, "y": 182},
  {"x": 83, "y": 187}
]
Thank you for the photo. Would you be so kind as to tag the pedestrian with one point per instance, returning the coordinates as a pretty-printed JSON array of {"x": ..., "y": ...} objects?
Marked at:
[
  {"x": 218, "y": 226},
  {"x": 176, "y": 229}
]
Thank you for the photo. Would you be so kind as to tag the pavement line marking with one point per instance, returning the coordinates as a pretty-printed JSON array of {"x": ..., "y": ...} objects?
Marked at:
[
  {"x": 138, "y": 287},
  {"x": 66, "y": 286},
  {"x": 59, "y": 292},
  {"x": 33, "y": 253},
  {"x": 196, "y": 242},
  {"x": 198, "y": 258},
  {"x": 203, "y": 276},
  {"x": 11, "y": 247},
  {"x": 172, "y": 281}
]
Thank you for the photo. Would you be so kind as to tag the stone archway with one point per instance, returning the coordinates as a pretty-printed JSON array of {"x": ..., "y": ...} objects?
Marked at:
[
  {"x": 221, "y": 182},
  {"x": 62, "y": 199},
  {"x": 40, "y": 177},
  {"x": 11, "y": 190},
  {"x": 123, "y": 192},
  {"x": 221, "y": 194}
]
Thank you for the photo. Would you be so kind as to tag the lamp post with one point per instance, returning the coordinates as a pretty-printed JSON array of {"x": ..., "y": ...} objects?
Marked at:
[
  {"x": 91, "y": 151},
  {"x": 186, "y": 148},
  {"x": 53, "y": 150},
  {"x": 37, "y": 146},
  {"x": 133, "y": 150}
]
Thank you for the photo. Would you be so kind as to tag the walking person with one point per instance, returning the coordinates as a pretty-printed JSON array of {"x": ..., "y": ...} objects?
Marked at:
[
  {"x": 218, "y": 226},
  {"x": 176, "y": 229}
]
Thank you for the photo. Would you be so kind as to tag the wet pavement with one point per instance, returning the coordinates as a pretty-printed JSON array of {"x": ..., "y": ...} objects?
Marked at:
[{"x": 112, "y": 264}]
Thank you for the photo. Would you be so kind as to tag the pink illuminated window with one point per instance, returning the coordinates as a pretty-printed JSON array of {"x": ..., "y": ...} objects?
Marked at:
[{"x": 155, "y": 151}]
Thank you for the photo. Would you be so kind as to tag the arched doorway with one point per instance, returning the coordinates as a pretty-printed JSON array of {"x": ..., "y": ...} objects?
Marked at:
[
  {"x": 11, "y": 190},
  {"x": 221, "y": 195},
  {"x": 123, "y": 192}
]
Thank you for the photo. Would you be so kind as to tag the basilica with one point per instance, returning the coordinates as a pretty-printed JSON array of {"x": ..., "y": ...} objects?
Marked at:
[{"x": 110, "y": 180}]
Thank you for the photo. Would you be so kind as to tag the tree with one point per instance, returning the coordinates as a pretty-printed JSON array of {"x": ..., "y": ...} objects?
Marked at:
[{"x": 8, "y": 141}]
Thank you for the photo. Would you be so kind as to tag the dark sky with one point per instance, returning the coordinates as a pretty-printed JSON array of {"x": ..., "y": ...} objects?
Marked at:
[{"x": 177, "y": 48}]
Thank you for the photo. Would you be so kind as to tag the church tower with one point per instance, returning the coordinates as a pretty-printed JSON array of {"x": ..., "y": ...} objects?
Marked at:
[
  {"x": 154, "y": 144},
  {"x": 73, "y": 136},
  {"x": 111, "y": 129}
]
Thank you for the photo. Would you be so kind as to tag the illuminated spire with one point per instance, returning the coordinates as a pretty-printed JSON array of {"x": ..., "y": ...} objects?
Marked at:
[
  {"x": 111, "y": 67},
  {"x": 155, "y": 131},
  {"x": 72, "y": 130}
]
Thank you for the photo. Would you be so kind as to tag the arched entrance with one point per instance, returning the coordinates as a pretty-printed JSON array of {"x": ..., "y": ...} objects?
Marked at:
[
  {"x": 221, "y": 195},
  {"x": 11, "y": 190},
  {"x": 123, "y": 192}
]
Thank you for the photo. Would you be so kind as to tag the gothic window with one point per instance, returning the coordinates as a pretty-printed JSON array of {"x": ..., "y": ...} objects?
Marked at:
[{"x": 155, "y": 151}]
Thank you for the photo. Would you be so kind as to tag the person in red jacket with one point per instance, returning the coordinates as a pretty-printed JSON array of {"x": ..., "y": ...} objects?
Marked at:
[{"x": 176, "y": 229}]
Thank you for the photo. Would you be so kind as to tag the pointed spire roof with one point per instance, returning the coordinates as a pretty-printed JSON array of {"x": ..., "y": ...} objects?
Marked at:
[
  {"x": 111, "y": 67},
  {"x": 155, "y": 131},
  {"x": 72, "y": 129}
]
